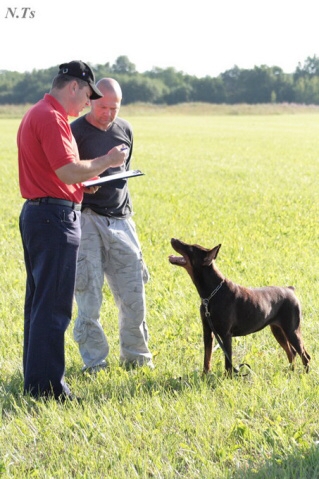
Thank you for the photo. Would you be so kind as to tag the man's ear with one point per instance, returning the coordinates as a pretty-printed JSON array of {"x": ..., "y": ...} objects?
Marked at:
[{"x": 73, "y": 86}]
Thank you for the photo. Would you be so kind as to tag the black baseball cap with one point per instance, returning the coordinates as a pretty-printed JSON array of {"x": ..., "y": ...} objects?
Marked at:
[{"x": 81, "y": 70}]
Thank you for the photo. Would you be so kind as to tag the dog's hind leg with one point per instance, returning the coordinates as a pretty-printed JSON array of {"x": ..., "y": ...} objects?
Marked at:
[
  {"x": 295, "y": 340},
  {"x": 292, "y": 343},
  {"x": 284, "y": 343},
  {"x": 289, "y": 321}
]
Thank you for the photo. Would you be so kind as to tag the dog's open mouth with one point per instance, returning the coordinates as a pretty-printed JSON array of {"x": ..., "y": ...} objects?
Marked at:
[{"x": 177, "y": 260}]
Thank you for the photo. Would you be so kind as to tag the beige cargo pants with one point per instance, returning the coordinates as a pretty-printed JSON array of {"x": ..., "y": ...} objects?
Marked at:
[{"x": 110, "y": 249}]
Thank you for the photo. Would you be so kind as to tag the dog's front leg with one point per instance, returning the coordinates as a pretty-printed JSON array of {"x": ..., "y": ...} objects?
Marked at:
[
  {"x": 227, "y": 342},
  {"x": 208, "y": 344}
]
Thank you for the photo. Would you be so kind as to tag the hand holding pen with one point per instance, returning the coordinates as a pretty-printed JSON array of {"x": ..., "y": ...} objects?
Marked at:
[
  {"x": 126, "y": 149},
  {"x": 116, "y": 156}
]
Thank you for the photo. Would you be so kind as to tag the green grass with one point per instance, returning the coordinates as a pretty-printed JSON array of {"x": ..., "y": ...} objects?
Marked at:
[{"x": 241, "y": 177}]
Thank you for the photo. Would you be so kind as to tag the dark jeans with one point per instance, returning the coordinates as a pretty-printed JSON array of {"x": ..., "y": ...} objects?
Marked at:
[{"x": 51, "y": 237}]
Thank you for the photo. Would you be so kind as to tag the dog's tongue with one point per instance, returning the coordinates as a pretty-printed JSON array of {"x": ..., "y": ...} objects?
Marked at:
[{"x": 177, "y": 260}]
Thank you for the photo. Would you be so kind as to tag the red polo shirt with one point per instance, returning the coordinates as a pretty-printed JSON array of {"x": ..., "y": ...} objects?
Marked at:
[{"x": 45, "y": 143}]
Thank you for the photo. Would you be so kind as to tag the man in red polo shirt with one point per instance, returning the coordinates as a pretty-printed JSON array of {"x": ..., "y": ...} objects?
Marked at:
[{"x": 50, "y": 175}]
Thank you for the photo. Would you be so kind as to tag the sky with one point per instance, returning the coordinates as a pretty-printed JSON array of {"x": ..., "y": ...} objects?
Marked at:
[{"x": 199, "y": 37}]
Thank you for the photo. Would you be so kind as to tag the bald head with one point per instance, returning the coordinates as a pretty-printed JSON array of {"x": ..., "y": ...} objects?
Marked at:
[
  {"x": 110, "y": 86},
  {"x": 105, "y": 110}
]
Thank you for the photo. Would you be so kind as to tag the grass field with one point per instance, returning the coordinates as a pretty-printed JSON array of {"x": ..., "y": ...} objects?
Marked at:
[{"x": 242, "y": 176}]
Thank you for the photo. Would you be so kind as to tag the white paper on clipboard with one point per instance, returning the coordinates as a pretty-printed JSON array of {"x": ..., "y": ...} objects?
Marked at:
[{"x": 116, "y": 176}]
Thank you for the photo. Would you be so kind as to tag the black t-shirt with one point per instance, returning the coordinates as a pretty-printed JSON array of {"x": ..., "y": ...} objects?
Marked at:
[{"x": 112, "y": 199}]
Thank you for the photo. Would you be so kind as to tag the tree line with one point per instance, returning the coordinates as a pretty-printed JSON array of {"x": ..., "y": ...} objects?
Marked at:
[{"x": 261, "y": 84}]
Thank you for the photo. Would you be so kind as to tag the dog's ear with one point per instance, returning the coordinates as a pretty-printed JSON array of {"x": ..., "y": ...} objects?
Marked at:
[{"x": 211, "y": 255}]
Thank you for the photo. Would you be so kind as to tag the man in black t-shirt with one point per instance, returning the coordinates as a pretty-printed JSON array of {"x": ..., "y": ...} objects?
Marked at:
[{"x": 109, "y": 245}]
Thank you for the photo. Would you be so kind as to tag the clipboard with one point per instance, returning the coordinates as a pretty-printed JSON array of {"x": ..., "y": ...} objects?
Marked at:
[{"x": 117, "y": 176}]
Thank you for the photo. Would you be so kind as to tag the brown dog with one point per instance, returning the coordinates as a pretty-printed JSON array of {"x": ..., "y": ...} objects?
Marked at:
[{"x": 230, "y": 310}]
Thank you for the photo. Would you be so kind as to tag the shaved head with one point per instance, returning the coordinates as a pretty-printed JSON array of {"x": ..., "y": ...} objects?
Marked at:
[
  {"x": 105, "y": 110},
  {"x": 110, "y": 86}
]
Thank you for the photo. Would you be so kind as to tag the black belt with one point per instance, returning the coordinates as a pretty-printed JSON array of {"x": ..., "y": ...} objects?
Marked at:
[{"x": 55, "y": 201}]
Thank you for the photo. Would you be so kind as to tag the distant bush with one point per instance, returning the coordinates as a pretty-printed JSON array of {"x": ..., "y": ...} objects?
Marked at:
[{"x": 262, "y": 84}]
